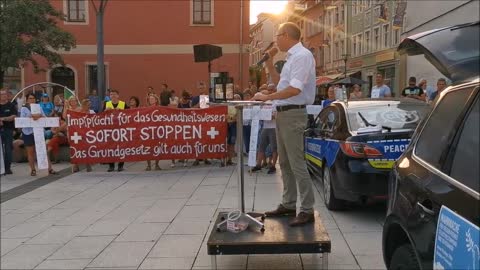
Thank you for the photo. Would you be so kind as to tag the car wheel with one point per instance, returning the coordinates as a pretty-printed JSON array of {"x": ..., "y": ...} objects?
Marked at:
[
  {"x": 331, "y": 202},
  {"x": 404, "y": 259}
]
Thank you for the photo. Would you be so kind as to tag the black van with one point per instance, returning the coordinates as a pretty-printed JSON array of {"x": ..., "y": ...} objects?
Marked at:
[{"x": 440, "y": 168}]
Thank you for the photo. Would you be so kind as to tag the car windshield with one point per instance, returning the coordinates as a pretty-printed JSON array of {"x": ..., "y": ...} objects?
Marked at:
[{"x": 394, "y": 115}]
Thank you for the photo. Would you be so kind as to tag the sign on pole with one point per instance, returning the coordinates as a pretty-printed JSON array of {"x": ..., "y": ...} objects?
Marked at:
[
  {"x": 456, "y": 243},
  {"x": 255, "y": 114}
]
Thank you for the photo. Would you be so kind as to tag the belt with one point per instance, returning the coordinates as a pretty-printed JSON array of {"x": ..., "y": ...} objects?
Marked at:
[{"x": 289, "y": 107}]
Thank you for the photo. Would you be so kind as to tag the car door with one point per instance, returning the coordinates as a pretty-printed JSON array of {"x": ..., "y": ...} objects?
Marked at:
[
  {"x": 320, "y": 145},
  {"x": 430, "y": 185},
  {"x": 458, "y": 186}
]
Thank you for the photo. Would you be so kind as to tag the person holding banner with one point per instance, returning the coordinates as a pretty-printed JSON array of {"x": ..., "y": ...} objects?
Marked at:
[
  {"x": 27, "y": 135},
  {"x": 84, "y": 108},
  {"x": 70, "y": 104},
  {"x": 115, "y": 104},
  {"x": 295, "y": 90},
  {"x": 202, "y": 90},
  {"x": 152, "y": 101}
]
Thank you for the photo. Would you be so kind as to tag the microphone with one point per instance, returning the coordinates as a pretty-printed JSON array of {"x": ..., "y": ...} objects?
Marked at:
[{"x": 266, "y": 56}]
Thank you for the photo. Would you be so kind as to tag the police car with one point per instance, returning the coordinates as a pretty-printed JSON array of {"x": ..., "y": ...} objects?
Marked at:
[
  {"x": 352, "y": 146},
  {"x": 433, "y": 215}
]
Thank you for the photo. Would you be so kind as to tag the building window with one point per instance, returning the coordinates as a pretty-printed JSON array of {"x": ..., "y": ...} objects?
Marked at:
[
  {"x": 92, "y": 79},
  {"x": 337, "y": 16},
  {"x": 354, "y": 45},
  {"x": 360, "y": 5},
  {"x": 342, "y": 48},
  {"x": 76, "y": 11},
  {"x": 359, "y": 43},
  {"x": 396, "y": 37},
  {"x": 376, "y": 38},
  {"x": 202, "y": 11},
  {"x": 386, "y": 34},
  {"x": 337, "y": 51},
  {"x": 319, "y": 59},
  {"x": 342, "y": 13},
  {"x": 376, "y": 14},
  {"x": 366, "y": 45},
  {"x": 327, "y": 55},
  {"x": 368, "y": 18}
]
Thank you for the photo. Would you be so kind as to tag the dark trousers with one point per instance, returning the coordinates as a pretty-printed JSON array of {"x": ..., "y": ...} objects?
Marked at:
[
  {"x": 7, "y": 146},
  {"x": 246, "y": 137},
  {"x": 120, "y": 165}
]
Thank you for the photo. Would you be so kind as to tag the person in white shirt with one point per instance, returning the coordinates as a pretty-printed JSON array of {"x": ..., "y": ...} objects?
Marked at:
[
  {"x": 380, "y": 90},
  {"x": 295, "y": 90}
]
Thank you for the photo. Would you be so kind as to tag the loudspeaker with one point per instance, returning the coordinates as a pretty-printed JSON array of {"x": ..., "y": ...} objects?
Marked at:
[{"x": 206, "y": 52}]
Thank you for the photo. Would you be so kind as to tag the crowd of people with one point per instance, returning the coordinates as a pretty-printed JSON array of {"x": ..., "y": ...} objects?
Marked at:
[
  {"x": 421, "y": 91},
  {"x": 21, "y": 140},
  {"x": 267, "y": 149}
]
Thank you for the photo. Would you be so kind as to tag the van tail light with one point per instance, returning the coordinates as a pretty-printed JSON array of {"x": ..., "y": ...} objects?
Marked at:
[{"x": 359, "y": 150}]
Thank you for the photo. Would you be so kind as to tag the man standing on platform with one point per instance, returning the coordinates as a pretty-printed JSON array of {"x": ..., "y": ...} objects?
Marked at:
[
  {"x": 115, "y": 104},
  {"x": 295, "y": 90}
]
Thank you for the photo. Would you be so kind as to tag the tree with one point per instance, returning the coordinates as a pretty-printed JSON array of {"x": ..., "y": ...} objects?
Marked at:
[{"x": 28, "y": 28}]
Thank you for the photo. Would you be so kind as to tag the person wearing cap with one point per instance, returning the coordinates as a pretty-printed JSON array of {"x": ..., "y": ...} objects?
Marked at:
[
  {"x": 295, "y": 90},
  {"x": 46, "y": 105}
]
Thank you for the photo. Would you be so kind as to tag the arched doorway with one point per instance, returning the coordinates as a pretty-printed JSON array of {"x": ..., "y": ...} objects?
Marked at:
[{"x": 64, "y": 76}]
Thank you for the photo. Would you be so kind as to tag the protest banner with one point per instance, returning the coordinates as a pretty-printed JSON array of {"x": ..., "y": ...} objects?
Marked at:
[{"x": 151, "y": 133}]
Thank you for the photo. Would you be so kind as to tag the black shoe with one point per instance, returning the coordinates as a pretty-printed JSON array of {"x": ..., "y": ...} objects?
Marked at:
[
  {"x": 196, "y": 163},
  {"x": 272, "y": 170},
  {"x": 8, "y": 172},
  {"x": 110, "y": 169},
  {"x": 120, "y": 169},
  {"x": 207, "y": 162},
  {"x": 256, "y": 168}
]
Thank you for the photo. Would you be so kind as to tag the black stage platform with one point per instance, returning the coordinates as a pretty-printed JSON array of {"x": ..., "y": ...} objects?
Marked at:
[{"x": 278, "y": 238}]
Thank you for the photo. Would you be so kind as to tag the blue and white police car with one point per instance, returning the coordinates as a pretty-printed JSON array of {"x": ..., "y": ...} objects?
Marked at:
[{"x": 352, "y": 146}]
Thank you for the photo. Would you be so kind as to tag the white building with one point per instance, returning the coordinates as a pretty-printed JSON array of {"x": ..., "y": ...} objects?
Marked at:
[{"x": 427, "y": 15}]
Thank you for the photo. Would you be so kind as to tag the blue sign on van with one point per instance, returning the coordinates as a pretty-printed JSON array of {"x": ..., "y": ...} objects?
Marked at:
[{"x": 456, "y": 242}]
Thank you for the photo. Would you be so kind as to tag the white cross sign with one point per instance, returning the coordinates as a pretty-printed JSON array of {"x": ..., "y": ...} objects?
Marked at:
[
  {"x": 38, "y": 132},
  {"x": 75, "y": 138},
  {"x": 256, "y": 113},
  {"x": 212, "y": 133},
  {"x": 2, "y": 165}
]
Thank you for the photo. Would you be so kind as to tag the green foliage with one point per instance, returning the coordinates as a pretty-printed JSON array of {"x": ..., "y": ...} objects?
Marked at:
[
  {"x": 255, "y": 74},
  {"x": 28, "y": 28}
]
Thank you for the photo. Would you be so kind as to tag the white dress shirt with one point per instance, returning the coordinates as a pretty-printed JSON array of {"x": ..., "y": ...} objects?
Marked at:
[{"x": 298, "y": 72}]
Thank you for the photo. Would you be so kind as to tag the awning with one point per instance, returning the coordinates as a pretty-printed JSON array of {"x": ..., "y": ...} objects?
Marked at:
[
  {"x": 323, "y": 80},
  {"x": 334, "y": 76}
]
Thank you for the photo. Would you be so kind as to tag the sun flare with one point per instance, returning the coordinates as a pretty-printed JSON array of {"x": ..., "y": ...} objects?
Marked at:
[{"x": 270, "y": 6}]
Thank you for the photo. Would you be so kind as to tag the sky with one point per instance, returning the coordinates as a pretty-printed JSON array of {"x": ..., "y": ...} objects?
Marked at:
[{"x": 269, "y": 6}]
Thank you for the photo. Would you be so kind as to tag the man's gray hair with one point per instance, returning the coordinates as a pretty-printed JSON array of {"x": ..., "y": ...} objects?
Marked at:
[{"x": 292, "y": 30}]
